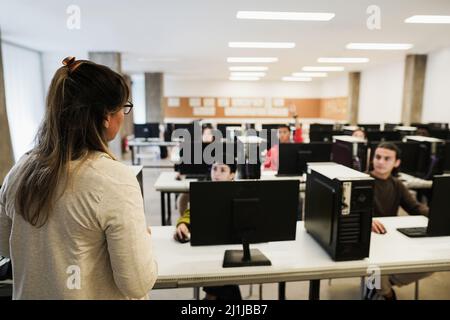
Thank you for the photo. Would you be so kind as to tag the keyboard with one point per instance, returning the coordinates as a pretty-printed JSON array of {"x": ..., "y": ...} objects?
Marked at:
[{"x": 416, "y": 232}]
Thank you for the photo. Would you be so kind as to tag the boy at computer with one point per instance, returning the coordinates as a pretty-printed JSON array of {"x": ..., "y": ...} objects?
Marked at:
[
  {"x": 390, "y": 194},
  {"x": 284, "y": 136},
  {"x": 219, "y": 172}
]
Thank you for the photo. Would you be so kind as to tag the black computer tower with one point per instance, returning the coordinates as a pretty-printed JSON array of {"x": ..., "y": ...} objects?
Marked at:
[
  {"x": 431, "y": 156},
  {"x": 338, "y": 210},
  {"x": 350, "y": 152}
]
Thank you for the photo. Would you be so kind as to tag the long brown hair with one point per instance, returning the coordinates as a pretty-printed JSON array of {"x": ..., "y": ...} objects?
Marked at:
[{"x": 80, "y": 96}]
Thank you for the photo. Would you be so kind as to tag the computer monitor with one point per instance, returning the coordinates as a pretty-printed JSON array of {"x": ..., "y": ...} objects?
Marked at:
[
  {"x": 191, "y": 128},
  {"x": 222, "y": 127},
  {"x": 293, "y": 157},
  {"x": 438, "y": 216},
  {"x": 447, "y": 156},
  {"x": 324, "y": 136},
  {"x": 350, "y": 152},
  {"x": 379, "y": 135},
  {"x": 243, "y": 212},
  {"x": 194, "y": 166},
  {"x": 370, "y": 127},
  {"x": 391, "y": 126},
  {"x": 320, "y": 127},
  {"x": 147, "y": 130}
]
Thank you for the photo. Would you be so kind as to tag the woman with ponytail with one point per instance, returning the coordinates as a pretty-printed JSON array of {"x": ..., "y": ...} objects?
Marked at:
[{"x": 71, "y": 216}]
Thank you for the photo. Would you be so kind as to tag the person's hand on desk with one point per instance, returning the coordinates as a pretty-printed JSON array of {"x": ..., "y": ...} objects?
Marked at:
[
  {"x": 182, "y": 233},
  {"x": 378, "y": 227}
]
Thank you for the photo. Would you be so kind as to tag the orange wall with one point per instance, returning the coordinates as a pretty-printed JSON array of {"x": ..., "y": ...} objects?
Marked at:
[{"x": 330, "y": 108}]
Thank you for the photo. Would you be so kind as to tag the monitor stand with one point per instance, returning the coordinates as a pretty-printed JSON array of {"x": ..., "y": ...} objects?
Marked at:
[{"x": 245, "y": 257}]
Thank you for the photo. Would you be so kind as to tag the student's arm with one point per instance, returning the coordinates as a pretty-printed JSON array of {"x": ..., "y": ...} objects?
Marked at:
[
  {"x": 182, "y": 231},
  {"x": 268, "y": 160},
  {"x": 121, "y": 217},
  {"x": 185, "y": 218},
  {"x": 5, "y": 224},
  {"x": 409, "y": 204}
]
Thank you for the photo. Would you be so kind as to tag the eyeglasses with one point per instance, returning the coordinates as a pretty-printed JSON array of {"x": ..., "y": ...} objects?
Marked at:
[{"x": 127, "y": 107}]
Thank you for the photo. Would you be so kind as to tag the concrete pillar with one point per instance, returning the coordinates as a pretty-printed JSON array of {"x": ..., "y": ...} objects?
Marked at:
[
  {"x": 6, "y": 151},
  {"x": 353, "y": 97},
  {"x": 154, "y": 95},
  {"x": 413, "y": 88},
  {"x": 113, "y": 61}
]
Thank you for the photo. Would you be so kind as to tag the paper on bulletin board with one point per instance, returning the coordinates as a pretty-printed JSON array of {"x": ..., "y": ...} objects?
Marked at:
[
  {"x": 173, "y": 102},
  {"x": 241, "y": 102},
  {"x": 195, "y": 102},
  {"x": 281, "y": 112},
  {"x": 204, "y": 111},
  {"x": 278, "y": 102},
  {"x": 223, "y": 102},
  {"x": 209, "y": 102},
  {"x": 258, "y": 102}
]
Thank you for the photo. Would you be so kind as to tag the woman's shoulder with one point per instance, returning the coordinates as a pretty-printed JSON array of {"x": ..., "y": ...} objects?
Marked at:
[{"x": 111, "y": 170}]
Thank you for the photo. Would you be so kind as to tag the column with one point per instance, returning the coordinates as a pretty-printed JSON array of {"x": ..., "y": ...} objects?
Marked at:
[
  {"x": 413, "y": 88},
  {"x": 154, "y": 95},
  {"x": 353, "y": 97},
  {"x": 6, "y": 151}
]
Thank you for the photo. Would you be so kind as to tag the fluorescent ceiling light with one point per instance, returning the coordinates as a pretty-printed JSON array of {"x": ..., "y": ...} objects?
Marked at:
[
  {"x": 379, "y": 46},
  {"x": 262, "y": 45},
  {"x": 428, "y": 19},
  {"x": 247, "y": 74},
  {"x": 323, "y": 69},
  {"x": 277, "y": 15},
  {"x": 248, "y": 68},
  {"x": 296, "y": 79},
  {"x": 343, "y": 60},
  {"x": 252, "y": 59},
  {"x": 310, "y": 74},
  {"x": 244, "y": 78}
]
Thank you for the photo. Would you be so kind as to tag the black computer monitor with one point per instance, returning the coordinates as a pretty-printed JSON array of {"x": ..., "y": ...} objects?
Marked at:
[
  {"x": 438, "y": 217},
  {"x": 320, "y": 127},
  {"x": 342, "y": 153},
  {"x": 194, "y": 166},
  {"x": 222, "y": 127},
  {"x": 293, "y": 157},
  {"x": 147, "y": 130},
  {"x": 391, "y": 126},
  {"x": 243, "y": 212},
  {"x": 379, "y": 135},
  {"x": 324, "y": 136},
  {"x": 447, "y": 157},
  {"x": 370, "y": 127},
  {"x": 191, "y": 128}
]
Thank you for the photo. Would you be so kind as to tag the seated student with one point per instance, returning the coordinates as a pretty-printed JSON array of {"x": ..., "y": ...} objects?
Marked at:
[
  {"x": 219, "y": 172},
  {"x": 359, "y": 133},
  {"x": 389, "y": 195},
  {"x": 183, "y": 198},
  {"x": 284, "y": 136}
]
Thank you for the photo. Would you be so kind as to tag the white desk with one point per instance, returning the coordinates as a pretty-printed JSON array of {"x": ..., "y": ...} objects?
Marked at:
[
  {"x": 181, "y": 265},
  {"x": 412, "y": 182},
  {"x": 136, "y": 144},
  {"x": 167, "y": 184}
]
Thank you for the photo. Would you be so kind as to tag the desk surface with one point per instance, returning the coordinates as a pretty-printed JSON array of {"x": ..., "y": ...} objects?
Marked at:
[
  {"x": 167, "y": 181},
  {"x": 181, "y": 265},
  {"x": 412, "y": 182}
]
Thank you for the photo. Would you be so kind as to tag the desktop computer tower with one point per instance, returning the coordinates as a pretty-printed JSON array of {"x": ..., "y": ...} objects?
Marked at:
[
  {"x": 350, "y": 151},
  {"x": 338, "y": 210},
  {"x": 431, "y": 156}
]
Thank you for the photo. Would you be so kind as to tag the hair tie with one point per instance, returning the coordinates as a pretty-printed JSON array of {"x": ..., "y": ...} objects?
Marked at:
[{"x": 71, "y": 63}]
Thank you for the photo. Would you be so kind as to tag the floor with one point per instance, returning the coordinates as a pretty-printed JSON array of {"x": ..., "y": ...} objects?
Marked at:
[{"x": 437, "y": 286}]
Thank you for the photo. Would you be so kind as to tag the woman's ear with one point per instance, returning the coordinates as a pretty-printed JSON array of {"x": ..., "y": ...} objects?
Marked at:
[
  {"x": 397, "y": 163},
  {"x": 106, "y": 121},
  {"x": 232, "y": 176}
]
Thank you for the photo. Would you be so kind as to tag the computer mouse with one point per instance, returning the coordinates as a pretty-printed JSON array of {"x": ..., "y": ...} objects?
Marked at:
[{"x": 184, "y": 239}]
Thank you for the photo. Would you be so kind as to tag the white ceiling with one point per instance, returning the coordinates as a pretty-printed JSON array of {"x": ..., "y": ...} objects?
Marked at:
[{"x": 189, "y": 38}]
